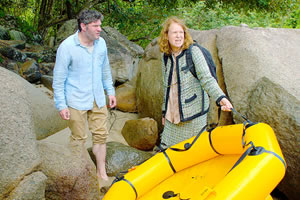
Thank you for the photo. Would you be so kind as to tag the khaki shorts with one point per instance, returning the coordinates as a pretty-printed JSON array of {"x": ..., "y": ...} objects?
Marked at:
[{"x": 97, "y": 124}]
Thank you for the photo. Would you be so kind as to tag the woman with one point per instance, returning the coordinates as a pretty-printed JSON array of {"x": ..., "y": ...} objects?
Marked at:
[{"x": 183, "y": 116}]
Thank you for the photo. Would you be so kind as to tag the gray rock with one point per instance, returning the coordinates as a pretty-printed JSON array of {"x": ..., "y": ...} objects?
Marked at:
[
  {"x": 40, "y": 53},
  {"x": 68, "y": 28},
  {"x": 120, "y": 157},
  {"x": 18, "y": 150},
  {"x": 13, "y": 53},
  {"x": 134, "y": 49},
  {"x": 261, "y": 70},
  {"x": 47, "y": 68},
  {"x": 272, "y": 104},
  {"x": 4, "y": 34},
  {"x": 30, "y": 71},
  {"x": 17, "y": 35},
  {"x": 149, "y": 87},
  {"x": 18, "y": 44},
  {"x": 12, "y": 66},
  {"x": 44, "y": 118},
  {"x": 31, "y": 187},
  {"x": 47, "y": 81},
  {"x": 123, "y": 54},
  {"x": 126, "y": 100},
  {"x": 70, "y": 171},
  {"x": 141, "y": 133}
]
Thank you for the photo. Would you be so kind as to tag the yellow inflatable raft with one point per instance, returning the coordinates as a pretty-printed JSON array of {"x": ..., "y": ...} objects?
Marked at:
[{"x": 236, "y": 162}]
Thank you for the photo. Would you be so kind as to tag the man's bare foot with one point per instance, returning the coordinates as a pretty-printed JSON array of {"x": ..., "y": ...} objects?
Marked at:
[{"x": 102, "y": 176}]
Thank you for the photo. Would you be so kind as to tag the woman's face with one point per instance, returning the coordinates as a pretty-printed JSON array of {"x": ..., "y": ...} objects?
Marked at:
[{"x": 175, "y": 36}]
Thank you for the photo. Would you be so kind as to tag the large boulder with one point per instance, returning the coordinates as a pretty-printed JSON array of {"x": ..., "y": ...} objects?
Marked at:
[
  {"x": 33, "y": 186},
  {"x": 149, "y": 86},
  {"x": 18, "y": 150},
  {"x": 70, "y": 171},
  {"x": 120, "y": 157},
  {"x": 68, "y": 28},
  {"x": 44, "y": 117},
  {"x": 126, "y": 100},
  {"x": 124, "y": 55},
  {"x": 141, "y": 133},
  {"x": 261, "y": 71}
]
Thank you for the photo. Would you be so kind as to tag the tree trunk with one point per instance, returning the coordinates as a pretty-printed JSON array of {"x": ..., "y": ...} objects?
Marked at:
[{"x": 44, "y": 13}]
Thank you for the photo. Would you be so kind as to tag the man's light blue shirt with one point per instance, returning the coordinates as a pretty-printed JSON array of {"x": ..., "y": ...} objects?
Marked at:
[{"x": 80, "y": 77}]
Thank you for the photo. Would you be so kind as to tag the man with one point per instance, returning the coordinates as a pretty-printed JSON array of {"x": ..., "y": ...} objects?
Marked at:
[{"x": 81, "y": 74}]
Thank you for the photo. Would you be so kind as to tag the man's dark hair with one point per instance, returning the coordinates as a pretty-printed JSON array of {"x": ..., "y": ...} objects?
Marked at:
[{"x": 88, "y": 16}]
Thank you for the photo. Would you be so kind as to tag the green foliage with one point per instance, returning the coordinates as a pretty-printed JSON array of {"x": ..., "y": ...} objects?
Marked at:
[
  {"x": 201, "y": 17},
  {"x": 293, "y": 20},
  {"x": 268, "y": 5},
  {"x": 2, "y": 13},
  {"x": 139, "y": 21},
  {"x": 23, "y": 13},
  {"x": 26, "y": 28}
]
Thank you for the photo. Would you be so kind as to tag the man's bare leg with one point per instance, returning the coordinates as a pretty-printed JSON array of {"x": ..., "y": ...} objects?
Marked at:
[{"x": 99, "y": 151}]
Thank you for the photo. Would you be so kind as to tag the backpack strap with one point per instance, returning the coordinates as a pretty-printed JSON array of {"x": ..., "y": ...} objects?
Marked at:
[
  {"x": 208, "y": 58},
  {"x": 190, "y": 64},
  {"x": 189, "y": 61}
]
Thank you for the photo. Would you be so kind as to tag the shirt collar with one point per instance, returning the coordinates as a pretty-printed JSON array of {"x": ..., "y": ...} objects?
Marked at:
[{"x": 76, "y": 38}]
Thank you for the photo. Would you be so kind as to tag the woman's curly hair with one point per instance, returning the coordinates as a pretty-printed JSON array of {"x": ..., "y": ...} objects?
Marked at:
[{"x": 163, "y": 41}]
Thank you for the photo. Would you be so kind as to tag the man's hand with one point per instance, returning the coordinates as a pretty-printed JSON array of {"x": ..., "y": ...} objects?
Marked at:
[
  {"x": 65, "y": 114},
  {"x": 112, "y": 101}
]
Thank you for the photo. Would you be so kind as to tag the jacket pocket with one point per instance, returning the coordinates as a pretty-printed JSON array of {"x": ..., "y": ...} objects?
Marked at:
[
  {"x": 190, "y": 99},
  {"x": 185, "y": 69}
]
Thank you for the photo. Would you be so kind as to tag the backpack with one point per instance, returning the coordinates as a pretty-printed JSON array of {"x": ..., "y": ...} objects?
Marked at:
[{"x": 190, "y": 63}]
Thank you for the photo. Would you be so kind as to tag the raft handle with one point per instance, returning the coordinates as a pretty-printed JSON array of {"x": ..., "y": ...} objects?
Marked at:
[
  {"x": 170, "y": 194},
  {"x": 187, "y": 146},
  {"x": 254, "y": 151}
]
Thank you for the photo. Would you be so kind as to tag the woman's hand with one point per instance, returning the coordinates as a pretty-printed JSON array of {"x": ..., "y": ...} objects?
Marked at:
[{"x": 225, "y": 104}]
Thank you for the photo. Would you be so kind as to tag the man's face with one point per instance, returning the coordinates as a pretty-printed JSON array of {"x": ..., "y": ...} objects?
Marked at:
[{"x": 92, "y": 30}]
